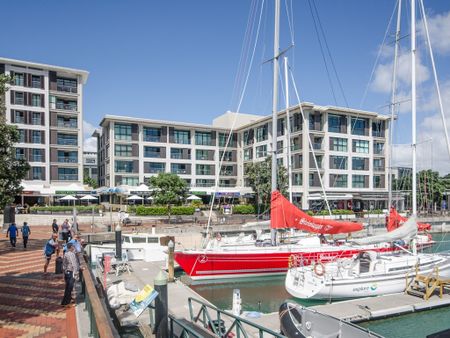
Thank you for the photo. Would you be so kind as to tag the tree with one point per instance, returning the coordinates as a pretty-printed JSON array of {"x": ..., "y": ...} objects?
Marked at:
[
  {"x": 12, "y": 170},
  {"x": 259, "y": 176},
  {"x": 90, "y": 181},
  {"x": 168, "y": 189}
]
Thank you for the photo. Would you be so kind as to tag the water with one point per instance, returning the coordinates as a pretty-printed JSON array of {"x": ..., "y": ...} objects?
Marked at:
[{"x": 265, "y": 294}]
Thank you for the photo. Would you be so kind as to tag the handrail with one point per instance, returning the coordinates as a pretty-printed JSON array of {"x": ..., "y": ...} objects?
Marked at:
[
  {"x": 101, "y": 321},
  {"x": 186, "y": 331},
  {"x": 236, "y": 324}
]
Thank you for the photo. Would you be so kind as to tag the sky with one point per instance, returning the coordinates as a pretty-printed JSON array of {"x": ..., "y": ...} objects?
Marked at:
[{"x": 188, "y": 60}]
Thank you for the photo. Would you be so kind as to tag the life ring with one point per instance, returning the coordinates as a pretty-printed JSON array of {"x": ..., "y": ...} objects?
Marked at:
[{"x": 319, "y": 271}]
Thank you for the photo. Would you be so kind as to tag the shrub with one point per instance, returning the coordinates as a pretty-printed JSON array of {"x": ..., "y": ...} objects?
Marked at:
[
  {"x": 163, "y": 211},
  {"x": 65, "y": 208},
  {"x": 244, "y": 209},
  {"x": 335, "y": 212}
]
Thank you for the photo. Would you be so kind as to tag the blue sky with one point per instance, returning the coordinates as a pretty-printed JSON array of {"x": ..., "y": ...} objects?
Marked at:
[{"x": 179, "y": 60}]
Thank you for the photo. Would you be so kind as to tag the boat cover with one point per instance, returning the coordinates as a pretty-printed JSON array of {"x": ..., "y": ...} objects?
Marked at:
[
  {"x": 407, "y": 231},
  {"x": 395, "y": 220},
  {"x": 283, "y": 214}
]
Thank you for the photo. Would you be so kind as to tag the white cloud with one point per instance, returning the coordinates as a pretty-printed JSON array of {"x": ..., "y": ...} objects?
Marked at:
[
  {"x": 90, "y": 143},
  {"x": 439, "y": 29}
]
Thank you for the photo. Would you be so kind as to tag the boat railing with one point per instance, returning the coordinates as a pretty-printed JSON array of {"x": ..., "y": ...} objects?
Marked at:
[
  {"x": 100, "y": 323},
  {"x": 215, "y": 319}
]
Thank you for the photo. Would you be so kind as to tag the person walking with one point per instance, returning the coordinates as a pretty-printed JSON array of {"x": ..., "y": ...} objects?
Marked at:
[
  {"x": 26, "y": 232},
  {"x": 71, "y": 269},
  {"x": 65, "y": 229},
  {"x": 55, "y": 227},
  {"x": 12, "y": 232},
  {"x": 50, "y": 248}
]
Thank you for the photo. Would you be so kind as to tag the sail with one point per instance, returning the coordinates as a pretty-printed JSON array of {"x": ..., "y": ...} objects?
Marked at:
[
  {"x": 407, "y": 231},
  {"x": 395, "y": 220},
  {"x": 283, "y": 214}
]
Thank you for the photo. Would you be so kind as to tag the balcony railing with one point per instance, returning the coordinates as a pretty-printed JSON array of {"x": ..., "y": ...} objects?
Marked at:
[
  {"x": 19, "y": 101},
  {"x": 37, "y": 158},
  {"x": 152, "y": 155},
  {"x": 204, "y": 185},
  {"x": 20, "y": 156},
  {"x": 179, "y": 171},
  {"x": 378, "y": 168},
  {"x": 66, "y": 106},
  {"x": 317, "y": 146},
  {"x": 36, "y": 139},
  {"x": 295, "y": 147},
  {"x": 376, "y": 133},
  {"x": 156, "y": 170},
  {"x": 72, "y": 125},
  {"x": 67, "y": 160},
  {"x": 19, "y": 119},
  {"x": 66, "y": 89},
  {"x": 227, "y": 173},
  {"x": 176, "y": 156},
  {"x": 68, "y": 177},
  {"x": 64, "y": 142},
  {"x": 152, "y": 139},
  {"x": 36, "y": 121},
  {"x": 36, "y": 84}
]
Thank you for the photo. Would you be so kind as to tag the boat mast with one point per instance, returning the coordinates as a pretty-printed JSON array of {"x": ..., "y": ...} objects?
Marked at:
[
  {"x": 276, "y": 42},
  {"x": 288, "y": 127},
  {"x": 413, "y": 105},
  {"x": 393, "y": 103}
]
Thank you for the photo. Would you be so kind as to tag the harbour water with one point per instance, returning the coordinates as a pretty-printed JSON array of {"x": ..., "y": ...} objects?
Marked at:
[{"x": 266, "y": 295}]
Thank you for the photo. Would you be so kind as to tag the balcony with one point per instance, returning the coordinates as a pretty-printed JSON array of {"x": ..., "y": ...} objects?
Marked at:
[
  {"x": 295, "y": 147},
  {"x": 68, "y": 177},
  {"x": 204, "y": 185},
  {"x": 152, "y": 139},
  {"x": 36, "y": 158},
  {"x": 64, "y": 159},
  {"x": 227, "y": 173},
  {"x": 67, "y": 89},
  {"x": 65, "y": 142},
  {"x": 71, "y": 125},
  {"x": 20, "y": 156},
  {"x": 66, "y": 106},
  {"x": 36, "y": 121},
  {"x": 19, "y": 119},
  {"x": 179, "y": 171},
  {"x": 156, "y": 170},
  {"x": 150, "y": 154},
  {"x": 378, "y": 168},
  {"x": 176, "y": 156},
  {"x": 36, "y": 139},
  {"x": 19, "y": 101},
  {"x": 376, "y": 133},
  {"x": 317, "y": 146}
]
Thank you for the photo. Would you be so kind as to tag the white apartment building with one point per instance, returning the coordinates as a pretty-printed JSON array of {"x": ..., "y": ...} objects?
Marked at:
[
  {"x": 350, "y": 147},
  {"x": 45, "y": 102},
  {"x": 90, "y": 165}
]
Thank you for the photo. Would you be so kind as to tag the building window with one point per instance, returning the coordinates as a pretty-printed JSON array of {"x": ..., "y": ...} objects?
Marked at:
[
  {"x": 338, "y": 144},
  {"x": 177, "y": 153},
  {"x": 19, "y": 98},
  {"x": 19, "y": 116},
  {"x": 36, "y": 100},
  {"x": 131, "y": 181},
  {"x": 36, "y": 136},
  {"x": 378, "y": 128},
  {"x": 36, "y": 118},
  {"x": 182, "y": 136},
  {"x": 296, "y": 122},
  {"x": 66, "y": 85},
  {"x": 297, "y": 178},
  {"x": 67, "y": 139},
  {"x": 226, "y": 155},
  {"x": 35, "y": 81},
  {"x": 261, "y": 133},
  {"x": 227, "y": 170},
  {"x": 124, "y": 150},
  {"x": 203, "y": 138},
  {"x": 66, "y": 104},
  {"x": 20, "y": 153},
  {"x": 178, "y": 168},
  {"x": 359, "y": 126},
  {"x": 36, "y": 173},
  {"x": 21, "y": 136},
  {"x": 377, "y": 182},
  {"x": 338, "y": 162},
  {"x": 19, "y": 79},
  {"x": 204, "y": 169},
  {"x": 124, "y": 166},
  {"x": 122, "y": 132},
  {"x": 36, "y": 155},
  {"x": 152, "y": 134},
  {"x": 68, "y": 174},
  {"x": 359, "y": 163},
  {"x": 280, "y": 162},
  {"x": 378, "y": 164},
  {"x": 359, "y": 181},
  {"x": 223, "y": 138},
  {"x": 67, "y": 156},
  {"x": 248, "y": 137},
  {"x": 227, "y": 183},
  {"x": 152, "y": 152},
  {"x": 201, "y": 154},
  {"x": 280, "y": 127},
  {"x": 314, "y": 180},
  {"x": 204, "y": 183},
  {"x": 360, "y": 146},
  {"x": 338, "y": 181},
  {"x": 67, "y": 122},
  {"x": 248, "y": 154},
  {"x": 261, "y": 151},
  {"x": 280, "y": 147},
  {"x": 156, "y": 168},
  {"x": 378, "y": 148}
]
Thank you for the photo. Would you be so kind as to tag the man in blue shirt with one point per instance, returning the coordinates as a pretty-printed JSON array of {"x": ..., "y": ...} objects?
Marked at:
[
  {"x": 12, "y": 231},
  {"x": 26, "y": 231}
]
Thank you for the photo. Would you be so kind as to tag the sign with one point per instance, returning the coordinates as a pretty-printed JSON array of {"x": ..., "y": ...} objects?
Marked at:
[
  {"x": 63, "y": 192},
  {"x": 227, "y": 194},
  {"x": 143, "y": 300}
]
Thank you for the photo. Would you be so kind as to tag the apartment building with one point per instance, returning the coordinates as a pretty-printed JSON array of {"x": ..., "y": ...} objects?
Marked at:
[
  {"x": 344, "y": 149},
  {"x": 90, "y": 165},
  {"x": 45, "y": 102}
]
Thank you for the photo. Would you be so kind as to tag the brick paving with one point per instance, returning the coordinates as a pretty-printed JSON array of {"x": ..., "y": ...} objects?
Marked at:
[{"x": 29, "y": 300}]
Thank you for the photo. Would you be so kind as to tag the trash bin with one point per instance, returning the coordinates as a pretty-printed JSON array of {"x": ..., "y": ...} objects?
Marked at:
[{"x": 58, "y": 265}]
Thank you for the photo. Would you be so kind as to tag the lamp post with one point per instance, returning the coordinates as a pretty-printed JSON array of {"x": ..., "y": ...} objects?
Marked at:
[
  {"x": 118, "y": 232},
  {"x": 171, "y": 246}
]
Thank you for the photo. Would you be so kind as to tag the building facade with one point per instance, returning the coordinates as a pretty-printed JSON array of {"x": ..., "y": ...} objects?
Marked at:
[
  {"x": 45, "y": 102},
  {"x": 90, "y": 165},
  {"x": 346, "y": 147}
]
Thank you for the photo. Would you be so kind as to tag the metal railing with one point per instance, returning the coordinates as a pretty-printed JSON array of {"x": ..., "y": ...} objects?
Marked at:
[
  {"x": 67, "y": 142},
  {"x": 36, "y": 120},
  {"x": 209, "y": 315},
  {"x": 66, "y": 89},
  {"x": 65, "y": 106},
  {"x": 152, "y": 138},
  {"x": 68, "y": 177},
  {"x": 19, "y": 119},
  {"x": 183, "y": 330},
  {"x": 72, "y": 125},
  {"x": 100, "y": 324},
  {"x": 67, "y": 160}
]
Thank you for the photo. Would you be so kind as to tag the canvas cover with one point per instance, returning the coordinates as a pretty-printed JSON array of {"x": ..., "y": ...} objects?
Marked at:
[{"x": 395, "y": 220}]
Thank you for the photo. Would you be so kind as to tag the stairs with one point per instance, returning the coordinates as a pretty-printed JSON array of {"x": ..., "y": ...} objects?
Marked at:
[{"x": 424, "y": 286}]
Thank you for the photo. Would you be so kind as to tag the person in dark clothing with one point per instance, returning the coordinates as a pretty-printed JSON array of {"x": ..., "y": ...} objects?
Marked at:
[
  {"x": 71, "y": 270},
  {"x": 55, "y": 227},
  {"x": 26, "y": 232},
  {"x": 12, "y": 232}
]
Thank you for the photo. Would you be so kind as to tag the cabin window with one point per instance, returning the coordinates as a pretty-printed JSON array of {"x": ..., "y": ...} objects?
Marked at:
[
  {"x": 126, "y": 239},
  {"x": 139, "y": 240}
]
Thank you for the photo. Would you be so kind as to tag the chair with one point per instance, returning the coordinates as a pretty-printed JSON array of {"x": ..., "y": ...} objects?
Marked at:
[{"x": 122, "y": 265}]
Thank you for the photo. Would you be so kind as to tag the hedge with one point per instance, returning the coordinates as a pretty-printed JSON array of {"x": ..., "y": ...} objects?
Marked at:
[
  {"x": 243, "y": 209},
  {"x": 163, "y": 211},
  {"x": 335, "y": 212},
  {"x": 65, "y": 208}
]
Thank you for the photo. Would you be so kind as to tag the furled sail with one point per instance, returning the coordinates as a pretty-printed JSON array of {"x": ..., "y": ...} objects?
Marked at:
[
  {"x": 407, "y": 231},
  {"x": 284, "y": 214},
  {"x": 395, "y": 220}
]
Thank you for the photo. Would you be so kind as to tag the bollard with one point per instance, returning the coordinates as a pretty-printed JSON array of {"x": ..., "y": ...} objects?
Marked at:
[
  {"x": 118, "y": 231},
  {"x": 161, "y": 306},
  {"x": 170, "y": 262}
]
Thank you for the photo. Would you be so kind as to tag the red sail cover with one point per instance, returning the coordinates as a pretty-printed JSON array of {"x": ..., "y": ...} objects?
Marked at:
[
  {"x": 395, "y": 220},
  {"x": 283, "y": 214}
]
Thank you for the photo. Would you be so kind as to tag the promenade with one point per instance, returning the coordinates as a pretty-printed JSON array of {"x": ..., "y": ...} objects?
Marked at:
[{"x": 29, "y": 301}]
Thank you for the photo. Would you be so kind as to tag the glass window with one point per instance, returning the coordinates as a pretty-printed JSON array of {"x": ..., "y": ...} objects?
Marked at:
[
  {"x": 280, "y": 147},
  {"x": 36, "y": 118},
  {"x": 122, "y": 132},
  {"x": 67, "y": 122},
  {"x": 297, "y": 178},
  {"x": 67, "y": 156},
  {"x": 67, "y": 174},
  {"x": 124, "y": 166},
  {"x": 360, "y": 146},
  {"x": 36, "y": 173},
  {"x": 227, "y": 156},
  {"x": 223, "y": 140},
  {"x": 248, "y": 137},
  {"x": 152, "y": 152},
  {"x": 36, "y": 100},
  {"x": 248, "y": 154},
  {"x": 359, "y": 126},
  {"x": 21, "y": 136},
  {"x": 123, "y": 150},
  {"x": 67, "y": 139},
  {"x": 66, "y": 85},
  {"x": 20, "y": 153},
  {"x": 178, "y": 168},
  {"x": 261, "y": 133},
  {"x": 201, "y": 154},
  {"x": 378, "y": 148},
  {"x": 182, "y": 136},
  {"x": 131, "y": 181},
  {"x": 261, "y": 151},
  {"x": 280, "y": 127},
  {"x": 378, "y": 128},
  {"x": 338, "y": 181},
  {"x": 19, "y": 79},
  {"x": 35, "y": 81},
  {"x": 378, "y": 164},
  {"x": 19, "y": 98},
  {"x": 204, "y": 183},
  {"x": 36, "y": 136},
  {"x": 359, "y": 181},
  {"x": 155, "y": 167},
  {"x": 359, "y": 163},
  {"x": 338, "y": 162},
  {"x": 203, "y": 138},
  {"x": 36, "y": 155},
  {"x": 176, "y": 153},
  {"x": 19, "y": 116},
  {"x": 338, "y": 144},
  {"x": 204, "y": 169},
  {"x": 66, "y": 104},
  {"x": 296, "y": 122},
  {"x": 152, "y": 134},
  {"x": 227, "y": 170}
]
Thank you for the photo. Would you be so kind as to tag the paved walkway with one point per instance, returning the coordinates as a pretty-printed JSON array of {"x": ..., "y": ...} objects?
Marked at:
[{"x": 29, "y": 301}]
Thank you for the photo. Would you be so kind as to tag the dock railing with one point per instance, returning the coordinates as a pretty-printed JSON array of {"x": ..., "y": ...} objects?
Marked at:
[
  {"x": 100, "y": 323},
  {"x": 212, "y": 318}
]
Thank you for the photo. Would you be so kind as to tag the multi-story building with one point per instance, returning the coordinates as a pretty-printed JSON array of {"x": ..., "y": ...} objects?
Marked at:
[
  {"x": 90, "y": 165},
  {"x": 342, "y": 150},
  {"x": 45, "y": 103}
]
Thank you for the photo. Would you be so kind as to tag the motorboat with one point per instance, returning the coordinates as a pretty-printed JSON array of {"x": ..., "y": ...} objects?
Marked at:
[{"x": 297, "y": 321}]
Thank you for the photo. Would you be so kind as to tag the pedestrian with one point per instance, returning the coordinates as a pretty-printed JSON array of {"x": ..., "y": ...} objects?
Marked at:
[
  {"x": 65, "y": 229},
  {"x": 55, "y": 227},
  {"x": 13, "y": 232},
  {"x": 50, "y": 248},
  {"x": 26, "y": 232},
  {"x": 71, "y": 269}
]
